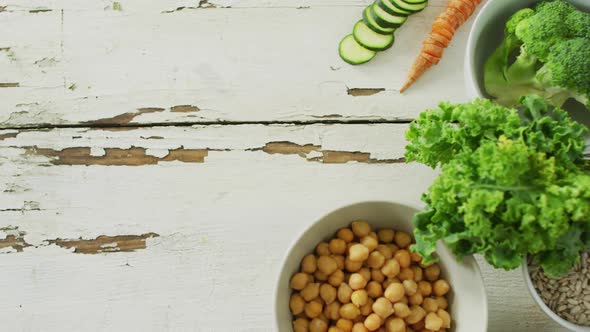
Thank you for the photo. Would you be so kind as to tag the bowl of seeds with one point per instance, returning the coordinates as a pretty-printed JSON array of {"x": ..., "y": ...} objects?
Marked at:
[{"x": 566, "y": 299}]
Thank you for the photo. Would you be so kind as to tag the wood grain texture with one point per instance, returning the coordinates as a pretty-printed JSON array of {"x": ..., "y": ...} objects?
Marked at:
[
  {"x": 85, "y": 63},
  {"x": 224, "y": 224}
]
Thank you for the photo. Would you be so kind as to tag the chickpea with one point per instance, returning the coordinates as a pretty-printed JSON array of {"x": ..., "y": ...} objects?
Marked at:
[
  {"x": 404, "y": 300},
  {"x": 301, "y": 325},
  {"x": 374, "y": 289},
  {"x": 420, "y": 326},
  {"x": 410, "y": 286},
  {"x": 386, "y": 235},
  {"x": 377, "y": 275},
  {"x": 403, "y": 258},
  {"x": 432, "y": 272},
  {"x": 359, "y": 327},
  {"x": 336, "y": 278},
  {"x": 339, "y": 261},
  {"x": 416, "y": 315},
  {"x": 373, "y": 322},
  {"x": 385, "y": 251},
  {"x": 391, "y": 268},
  {"x": 418, "y": 273},
  {"x": 332, "y": 310},
  {"x": 430, "y": 305},
  {"x": 334, "y": 329},
  {"x": 383, "y": 307},
  {"x": 357, "y": 281},
  {"x": 366, "y": 273},
  {"x": 327, "y": 265},
  {"x": 376, "y": 260},
  {"x": 297, "y": 304},
  {"x": 406, "y": 273},
  {"x": 394, "y": 292},
  {"x": 318, "y": 325},
  {"x": 337, "y": 246},
  {"x": 359, "y": 319},
  {"x": 393, "y": 248},
  {"x": 442, "y": 302},
  {"x": 360, "y": 228},
  {"x": 441, "y": 287},
  {"x": 395, "y": 325},
  {"x": 433, "y": 322},
  {"x": 416, "y": 299},
  {"x": 402, "y": 239},
  {"x": 359, "y": 297},
  {"x": 328, "y": 293},
  {"x": 309, "y": 264},
  {"x": 367, "y": 309},
  {"x": 352, "y": 266},
  {"x": 320, "y": 276},
  {"x": 446, "y": 318},
  {"x": 401, "y": 310},
  {"x": 299, "y": 281},
  {"x": 349, "y": 311},
  {"x": 387, "y": 282},
  {"x": 344, "y": 293},
  {"x": 416, "y": 257},
  {"x": 322, "y": 249},
  {"x": 345, "y": 234},
  {"x": 313, "y": 309},
  {"x": 311, "y": 291},
  {"x": 358, "y": 253},
  {"x": 344, "y": 324},
  {"x": 370, "y": 242},
  {"x": 425, "y": 288}
]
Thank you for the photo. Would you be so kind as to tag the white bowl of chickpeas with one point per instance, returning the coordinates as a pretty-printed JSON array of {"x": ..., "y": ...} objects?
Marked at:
[{"x": 353, "y": 271}]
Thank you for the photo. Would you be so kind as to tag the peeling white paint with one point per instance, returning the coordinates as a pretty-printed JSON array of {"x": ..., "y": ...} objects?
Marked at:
[
  {"x": 160, "y": 153},
  {"x": 97, "y": 151}
]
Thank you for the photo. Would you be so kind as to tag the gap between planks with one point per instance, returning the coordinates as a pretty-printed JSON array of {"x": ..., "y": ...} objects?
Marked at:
[{"x": 343, "y": 121}]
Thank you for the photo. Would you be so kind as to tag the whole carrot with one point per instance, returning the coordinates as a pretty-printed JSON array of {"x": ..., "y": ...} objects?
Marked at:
[{"x": 443, "y": 30}]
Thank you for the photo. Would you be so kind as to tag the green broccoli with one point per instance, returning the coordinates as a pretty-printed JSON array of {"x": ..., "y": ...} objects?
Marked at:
[{"x": 552, "y": 46}]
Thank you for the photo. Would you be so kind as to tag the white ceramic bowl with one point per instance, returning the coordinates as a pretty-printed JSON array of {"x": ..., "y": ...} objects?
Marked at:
[
  {"x": 544, "y": 307},
  {"x": 487, "y": 33},
  {"x": 468, "y": 303}
]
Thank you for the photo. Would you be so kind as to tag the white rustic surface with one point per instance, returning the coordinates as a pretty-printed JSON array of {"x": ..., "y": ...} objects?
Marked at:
[{"x": 225, "y": 199}]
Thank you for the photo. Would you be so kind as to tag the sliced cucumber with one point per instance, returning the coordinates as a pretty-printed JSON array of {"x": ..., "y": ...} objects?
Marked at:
[
  {"x": 385, "y": 19},
  {"x": 412, "y": 7},
  {"x": 387, "y": 6},
  {"x": 370, "y": 39},
  {"x": 415, "y": 1},
  {"x": 353, "y": 52},
  {"x": 370, "y": 22}
]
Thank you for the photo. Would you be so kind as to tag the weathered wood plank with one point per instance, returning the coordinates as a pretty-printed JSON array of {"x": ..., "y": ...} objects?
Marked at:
[
  {"x": 189, "y": 244},
  {"x": 85, "y": 63}
]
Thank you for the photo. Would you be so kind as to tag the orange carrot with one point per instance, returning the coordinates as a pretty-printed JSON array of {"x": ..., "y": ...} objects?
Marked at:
[{"x": 443, "y": 30}]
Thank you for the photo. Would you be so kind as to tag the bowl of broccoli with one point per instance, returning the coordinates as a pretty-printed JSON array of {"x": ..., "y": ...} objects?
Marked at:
[{"x": 517, "y": 48}]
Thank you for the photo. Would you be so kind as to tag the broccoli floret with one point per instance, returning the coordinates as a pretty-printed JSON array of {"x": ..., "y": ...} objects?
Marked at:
[
  {"x": 552, "y": 46},
  {"x": 566, "y": 71},
  {"x": 547, "y": 27}
]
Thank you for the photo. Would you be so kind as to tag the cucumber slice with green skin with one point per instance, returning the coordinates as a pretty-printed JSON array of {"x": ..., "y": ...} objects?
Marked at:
[
  {"x": 412, "y": 7},
  {"x": 385, "y": 19},
  {"x": 387, "y": 6},
  {"x": 353, "y": 52},
  {"x": 370, "y": 39},
  {"x": 415, "y": 1},
  {"x": 370, "y": 22}
]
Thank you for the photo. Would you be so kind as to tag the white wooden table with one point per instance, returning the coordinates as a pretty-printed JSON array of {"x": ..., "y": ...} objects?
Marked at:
[{"x": 158, "y": 157}]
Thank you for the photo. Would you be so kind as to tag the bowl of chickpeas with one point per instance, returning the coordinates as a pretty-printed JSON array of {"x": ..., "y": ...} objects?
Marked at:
[{"x": 354, "y": 271}]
